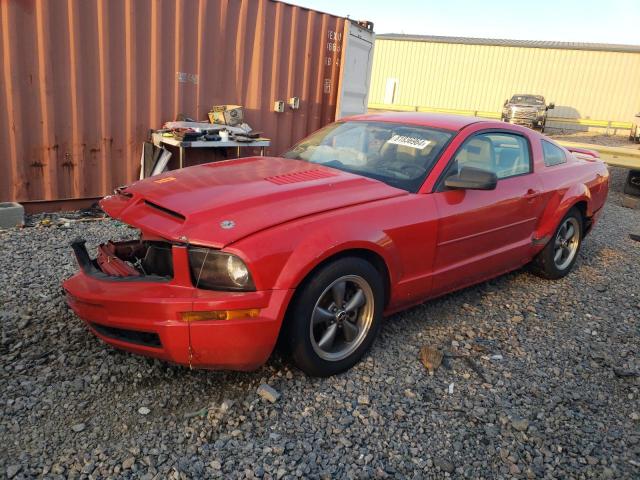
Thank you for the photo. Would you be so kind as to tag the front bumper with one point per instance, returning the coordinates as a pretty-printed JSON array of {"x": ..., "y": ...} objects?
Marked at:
[
  {"x": 144, "y": 316},
  {"x": 527, "y": 122}
]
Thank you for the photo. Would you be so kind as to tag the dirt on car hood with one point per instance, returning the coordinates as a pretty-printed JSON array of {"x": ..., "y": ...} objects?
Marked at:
[{"x": 219, "y": 203}]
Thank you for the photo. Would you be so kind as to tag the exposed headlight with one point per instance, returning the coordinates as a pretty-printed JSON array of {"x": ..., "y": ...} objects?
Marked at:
[{"x": 215, "y": 270}]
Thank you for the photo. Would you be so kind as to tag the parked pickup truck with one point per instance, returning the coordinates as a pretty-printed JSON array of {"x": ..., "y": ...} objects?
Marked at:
[{"x": 525, "y": 109}]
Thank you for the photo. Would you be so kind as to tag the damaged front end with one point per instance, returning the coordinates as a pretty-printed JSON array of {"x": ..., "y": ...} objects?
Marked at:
[
  {"x": 186, "y": 304},
  {"x": 132, "y": 259},
  {"x": 175, "y": 293}
]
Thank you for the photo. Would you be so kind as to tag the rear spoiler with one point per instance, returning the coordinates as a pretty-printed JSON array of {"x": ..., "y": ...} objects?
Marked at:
[{"x": 584, "y": 153}]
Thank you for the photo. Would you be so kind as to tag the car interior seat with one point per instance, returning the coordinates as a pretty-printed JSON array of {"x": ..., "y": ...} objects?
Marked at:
[{"x": 478, "y": 153}]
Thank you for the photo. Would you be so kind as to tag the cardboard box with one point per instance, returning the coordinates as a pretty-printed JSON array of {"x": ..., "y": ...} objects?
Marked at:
[{"x": 227, "y": 115}]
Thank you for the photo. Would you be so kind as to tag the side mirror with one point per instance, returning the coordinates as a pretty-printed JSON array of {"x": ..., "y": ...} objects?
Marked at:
[
  {"x": 551, "y": 106},
  {"x": 472, "y": 178}
]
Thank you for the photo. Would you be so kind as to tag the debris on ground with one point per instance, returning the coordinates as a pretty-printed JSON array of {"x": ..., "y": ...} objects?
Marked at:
[
  {"x": 268, "y": 393},
  {"x": 198, "y": 413},
  {"x": 431, "y": 358}
]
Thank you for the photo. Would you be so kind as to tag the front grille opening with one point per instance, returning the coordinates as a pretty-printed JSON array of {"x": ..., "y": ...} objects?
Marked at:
[
  {"x": 147, "y": 339},
  {"x": 141, "y": 257},
  {"x": 158, "y": 259}
]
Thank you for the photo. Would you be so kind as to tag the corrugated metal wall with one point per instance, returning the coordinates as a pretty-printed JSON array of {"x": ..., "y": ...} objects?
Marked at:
[
  {"x": 597, "y": 85},
  {"x": 84, "y": 80}
]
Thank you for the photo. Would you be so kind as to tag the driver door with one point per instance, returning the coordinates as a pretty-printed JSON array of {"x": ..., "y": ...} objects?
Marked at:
[{"x": 483, "y": 233}]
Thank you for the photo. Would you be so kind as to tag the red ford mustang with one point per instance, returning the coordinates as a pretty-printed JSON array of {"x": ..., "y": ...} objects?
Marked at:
[{"x": 365, "y": 217}]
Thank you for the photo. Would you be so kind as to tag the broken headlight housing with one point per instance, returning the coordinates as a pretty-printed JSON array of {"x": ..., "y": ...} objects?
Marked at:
[{"x": 215, "y": 270}]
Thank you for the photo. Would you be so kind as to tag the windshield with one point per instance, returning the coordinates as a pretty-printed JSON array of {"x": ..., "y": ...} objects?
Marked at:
[
  {"x": 527, "y": 99},
  {"x": 397, "y": 154}
]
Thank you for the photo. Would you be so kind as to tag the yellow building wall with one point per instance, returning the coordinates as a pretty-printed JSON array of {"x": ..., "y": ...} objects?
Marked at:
[{"x": 583, "y": 84}]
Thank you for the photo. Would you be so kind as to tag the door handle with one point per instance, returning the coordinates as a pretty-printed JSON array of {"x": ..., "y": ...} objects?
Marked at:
[{"x": 531, "y": 193}]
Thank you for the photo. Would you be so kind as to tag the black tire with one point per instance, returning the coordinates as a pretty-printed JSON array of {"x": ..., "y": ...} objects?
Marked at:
[
  {"x": 542, "y": 125},
  {"x": 545, "y": 265},
  {"x": 632, "y": 184},
  {"x": 298, "y": 325}
]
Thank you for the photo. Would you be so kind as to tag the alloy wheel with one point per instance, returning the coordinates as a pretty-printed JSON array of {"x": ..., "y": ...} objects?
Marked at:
[
  {"x": 341, "y": 318},
  {"x": 566, "y": 243}
]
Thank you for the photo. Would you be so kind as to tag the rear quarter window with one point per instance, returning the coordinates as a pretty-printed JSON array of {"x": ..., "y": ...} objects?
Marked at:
[{"x": 552, "y": 155}]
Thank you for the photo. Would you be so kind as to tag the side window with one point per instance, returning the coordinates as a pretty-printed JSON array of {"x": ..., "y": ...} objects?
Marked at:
[
  {"x": 552, "y": 154},
  {"x": 504, "y": 154}
]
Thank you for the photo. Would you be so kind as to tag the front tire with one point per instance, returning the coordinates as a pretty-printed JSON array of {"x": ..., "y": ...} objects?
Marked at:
[
  {"x": 559, "y": 255},
  {"x": 335, "y": 317}
]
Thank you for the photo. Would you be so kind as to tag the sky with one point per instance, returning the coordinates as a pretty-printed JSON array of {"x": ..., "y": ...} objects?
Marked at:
[{"x": 608, "y": 21}]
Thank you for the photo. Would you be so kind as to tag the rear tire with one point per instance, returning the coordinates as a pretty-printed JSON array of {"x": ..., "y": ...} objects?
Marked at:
[
  {"x": 632, "y": 184},
  {"x": 559, "y": 255},
  {"x": 335, "y": 317}
]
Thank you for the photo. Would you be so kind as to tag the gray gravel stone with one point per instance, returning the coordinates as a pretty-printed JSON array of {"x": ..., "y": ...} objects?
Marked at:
[
  {"x": 12, "y": 470},
  {"x": 520, "y": 424},
  {"x": 78, "y": 427}
]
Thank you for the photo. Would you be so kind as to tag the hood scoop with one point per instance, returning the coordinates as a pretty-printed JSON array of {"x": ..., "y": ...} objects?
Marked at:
[
  {"x": 297, "y": 177},
  {"x": 164, "y": 210}
]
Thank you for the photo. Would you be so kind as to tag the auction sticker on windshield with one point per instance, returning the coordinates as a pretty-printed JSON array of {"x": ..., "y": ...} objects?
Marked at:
[{"x": 412, "y": 142}]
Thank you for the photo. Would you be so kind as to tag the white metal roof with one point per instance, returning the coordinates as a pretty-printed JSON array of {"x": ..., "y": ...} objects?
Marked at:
[{"x": 512, "y": 43}]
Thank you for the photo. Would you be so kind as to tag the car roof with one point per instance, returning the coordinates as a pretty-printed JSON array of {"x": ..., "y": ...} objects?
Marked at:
[{"x": 435, "y": 120}]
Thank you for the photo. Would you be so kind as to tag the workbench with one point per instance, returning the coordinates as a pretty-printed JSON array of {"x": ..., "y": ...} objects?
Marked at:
[{"x": 158, "y": 139}]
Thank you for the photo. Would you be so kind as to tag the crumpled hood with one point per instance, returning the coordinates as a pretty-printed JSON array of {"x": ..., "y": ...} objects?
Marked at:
[{"x": 219, "y": 203}]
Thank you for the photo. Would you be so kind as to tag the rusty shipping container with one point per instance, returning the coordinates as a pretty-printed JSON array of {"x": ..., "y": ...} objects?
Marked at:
[{"x": 83, "y": 81}]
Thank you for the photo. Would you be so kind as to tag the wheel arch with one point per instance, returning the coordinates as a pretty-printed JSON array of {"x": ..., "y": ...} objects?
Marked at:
[
  {"x": 367, "y": 254},
  {"x": 582, "y": 207},
  {"x": 578, "y": 196}
]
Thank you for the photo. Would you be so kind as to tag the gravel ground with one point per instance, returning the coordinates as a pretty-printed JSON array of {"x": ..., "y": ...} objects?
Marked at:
[{"x": 550, "y": 391}]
